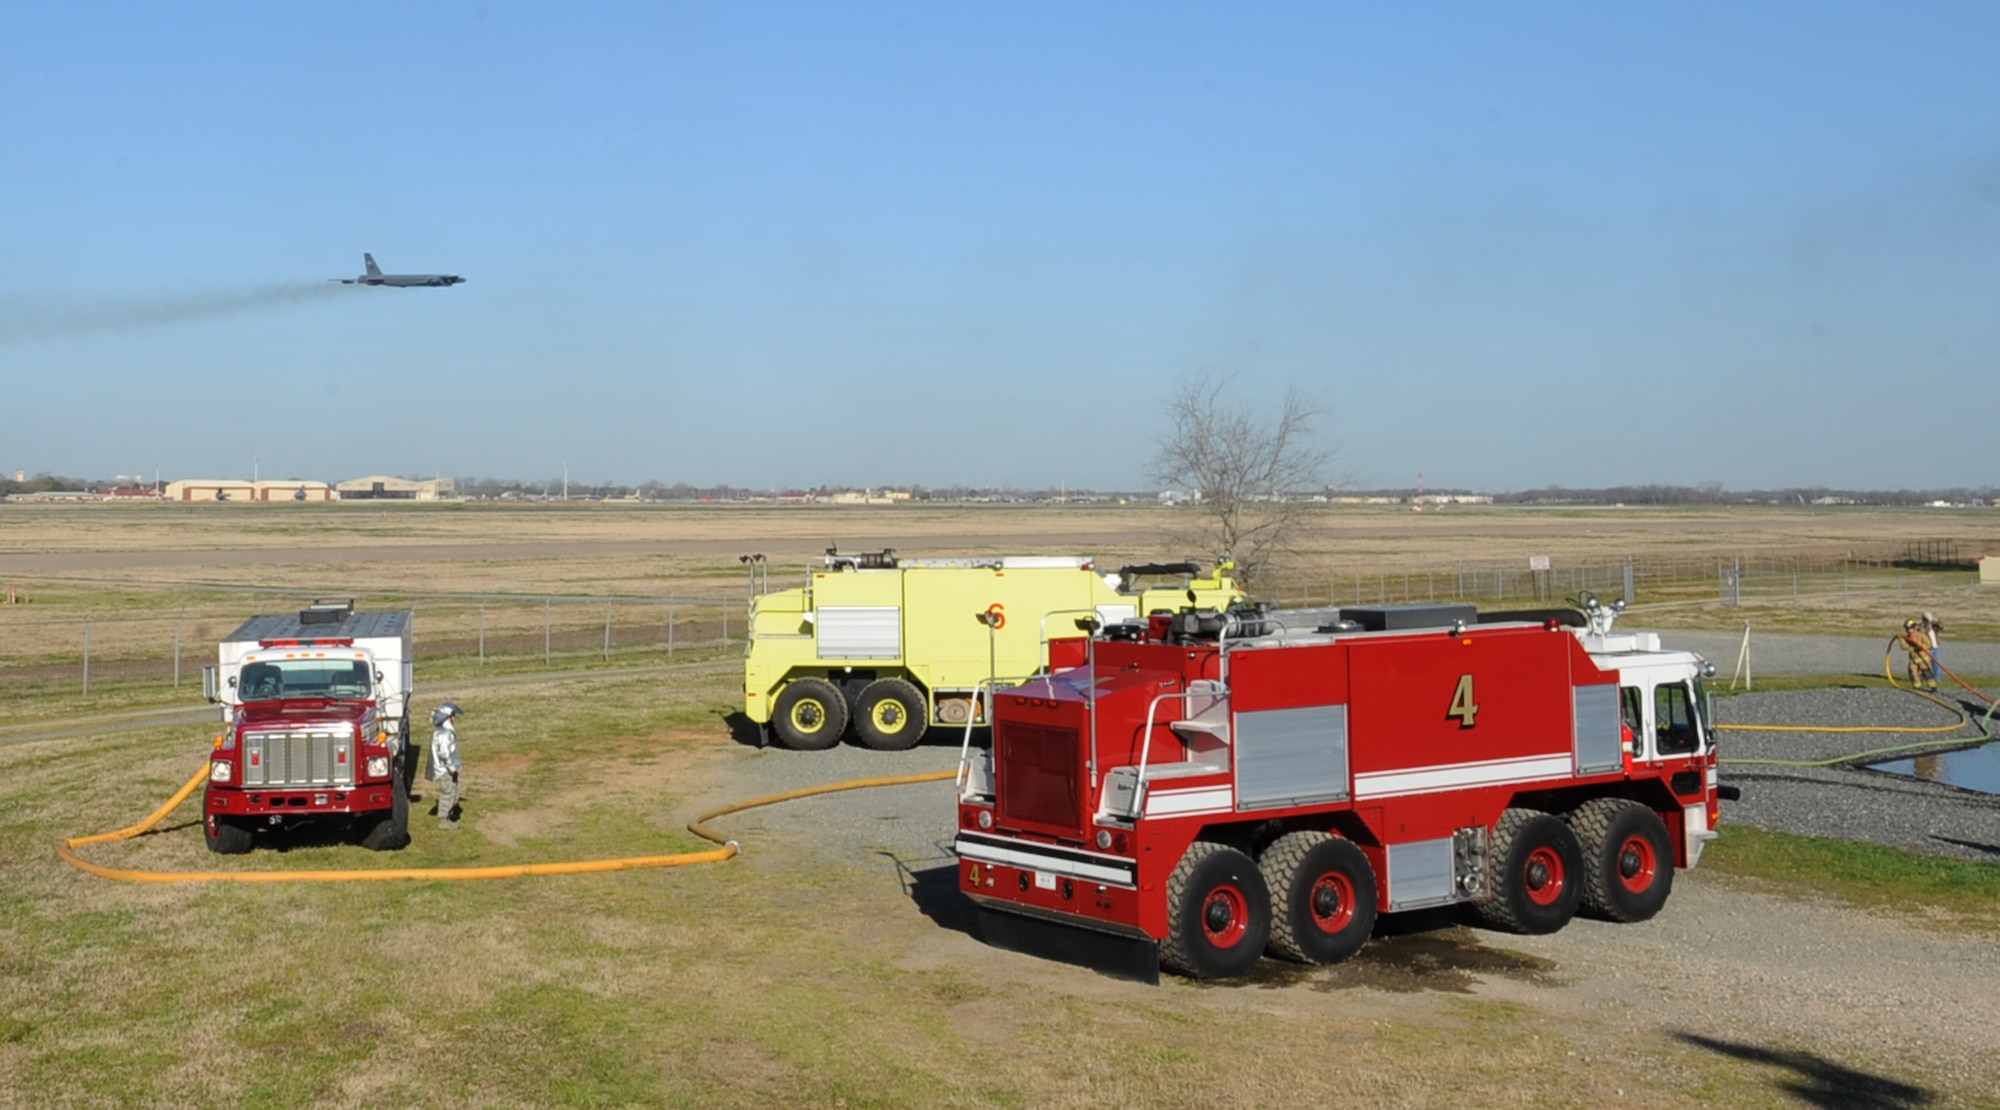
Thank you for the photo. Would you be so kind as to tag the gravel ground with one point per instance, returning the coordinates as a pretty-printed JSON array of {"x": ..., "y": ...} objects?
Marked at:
[{"x": 1852, "y": 803}]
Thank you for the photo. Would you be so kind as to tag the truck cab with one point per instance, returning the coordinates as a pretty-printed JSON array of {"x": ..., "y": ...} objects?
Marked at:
[
  {"x": 315, "y": 716},
  {"x": 1665, "y": 710}
]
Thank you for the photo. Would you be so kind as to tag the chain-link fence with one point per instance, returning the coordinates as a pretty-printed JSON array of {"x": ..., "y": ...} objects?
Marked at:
[
  {"x": 58, "y": 646},
  {"x": 1729, "y": 580}
]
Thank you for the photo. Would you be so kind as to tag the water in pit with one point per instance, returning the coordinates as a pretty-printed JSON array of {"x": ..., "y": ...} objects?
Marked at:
[{"x": 1971, "y": 769}]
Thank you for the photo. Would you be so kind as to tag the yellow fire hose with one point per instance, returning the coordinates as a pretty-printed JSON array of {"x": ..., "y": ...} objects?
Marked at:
[
  {"x": 65, "y": 851},
  {"x": 1889, "y": 673}
]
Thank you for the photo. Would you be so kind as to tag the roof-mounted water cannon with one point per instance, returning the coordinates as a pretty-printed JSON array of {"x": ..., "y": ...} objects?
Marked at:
[
  {"x": 1601, "y": 615},
  {"x": 884, "y": 559}
]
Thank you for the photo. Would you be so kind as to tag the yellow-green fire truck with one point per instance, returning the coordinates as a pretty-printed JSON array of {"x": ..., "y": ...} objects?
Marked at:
[{"x": 893, "y": 646}]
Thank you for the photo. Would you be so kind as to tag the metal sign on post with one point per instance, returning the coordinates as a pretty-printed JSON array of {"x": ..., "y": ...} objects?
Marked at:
[{"x": 1538, "y": 562}]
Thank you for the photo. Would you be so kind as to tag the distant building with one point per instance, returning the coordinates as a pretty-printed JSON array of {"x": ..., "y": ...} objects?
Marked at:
[
  {"x": 382, "y": 487},
  {"x": 235, "y": 489}
]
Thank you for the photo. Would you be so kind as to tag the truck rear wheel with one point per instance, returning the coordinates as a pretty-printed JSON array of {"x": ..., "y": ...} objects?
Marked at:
[
  {"x": 226, "y": 836},
  {"x": 1322, "y": 897},
  {"x": 1628, "y": 860},
  {"x": 891, "y": 715},
  {"x": 1537, "y": 874},
  {"x": 392, "y": 831},
  {"x": 809, "y": 715},
  {"x": 1218, "y": 913}
]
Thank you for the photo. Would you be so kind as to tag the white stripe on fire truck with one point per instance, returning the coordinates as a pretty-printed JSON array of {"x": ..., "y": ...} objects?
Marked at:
[
  {"x": 987, "y": 852},
  {"x": 1167, "y": 803},
  {"x": 1417, "y": 780}
]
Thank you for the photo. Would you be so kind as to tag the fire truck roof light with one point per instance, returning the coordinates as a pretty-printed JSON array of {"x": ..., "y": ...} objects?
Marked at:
[{"x": 347, "y": 642}]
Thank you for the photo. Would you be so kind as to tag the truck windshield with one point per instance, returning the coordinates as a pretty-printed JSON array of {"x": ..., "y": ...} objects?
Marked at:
[{"x": 304, "y": 678}]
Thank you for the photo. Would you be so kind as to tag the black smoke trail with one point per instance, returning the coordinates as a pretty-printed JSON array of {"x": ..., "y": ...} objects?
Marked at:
[{"x": 36, "y": 317}]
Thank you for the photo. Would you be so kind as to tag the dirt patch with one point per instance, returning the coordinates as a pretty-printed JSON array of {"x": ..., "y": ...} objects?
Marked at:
[{"x": 628, "y": 773}]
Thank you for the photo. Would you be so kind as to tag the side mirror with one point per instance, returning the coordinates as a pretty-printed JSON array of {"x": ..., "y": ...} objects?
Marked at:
[
  {"x": 208, "y": 685},
  {"x": 378, "y": 676}
]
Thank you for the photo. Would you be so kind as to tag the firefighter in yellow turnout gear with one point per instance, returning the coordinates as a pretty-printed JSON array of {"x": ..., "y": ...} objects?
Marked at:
[{"x": 1916, "y": 640}]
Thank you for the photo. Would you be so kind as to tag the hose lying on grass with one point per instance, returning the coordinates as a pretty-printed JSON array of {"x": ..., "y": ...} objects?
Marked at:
[
  {"x": 728, "y": 848},
  {"x": 1888, "y": 672}
]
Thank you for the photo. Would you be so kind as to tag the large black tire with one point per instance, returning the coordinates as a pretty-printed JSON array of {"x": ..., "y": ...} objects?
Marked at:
[
  {"x": 810, "y": 715},
  {"x": 1628, "y": 867},
  {"x": 1218, "y": 913},
  {"x": 1322, "y": 897},
  {"x": 391, "y": 832},
  {"x": 226, "y": 836},
  {"x": 1537, "y": 873},
  {"x": 891, "y": 715}
]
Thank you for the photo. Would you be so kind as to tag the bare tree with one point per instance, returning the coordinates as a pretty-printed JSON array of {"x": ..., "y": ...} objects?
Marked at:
[{"x": 1249, "y": 475}]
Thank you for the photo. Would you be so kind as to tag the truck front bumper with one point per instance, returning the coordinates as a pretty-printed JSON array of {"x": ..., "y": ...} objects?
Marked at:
[{"x": 302, "y": 802}]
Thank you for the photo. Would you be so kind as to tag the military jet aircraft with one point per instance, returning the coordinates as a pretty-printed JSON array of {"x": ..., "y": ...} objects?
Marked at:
[{"x": 375, "y": 276}]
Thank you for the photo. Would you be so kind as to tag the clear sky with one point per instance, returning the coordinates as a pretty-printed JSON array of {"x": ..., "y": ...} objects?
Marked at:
[{"x": 772, "y": 244}]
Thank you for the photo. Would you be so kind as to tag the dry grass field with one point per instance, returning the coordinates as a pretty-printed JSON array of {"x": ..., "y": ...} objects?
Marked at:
[{"x": 826, "y": 967}]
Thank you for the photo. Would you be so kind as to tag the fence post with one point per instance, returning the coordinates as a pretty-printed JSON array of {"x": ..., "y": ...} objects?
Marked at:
[
  {"x": 607, "y": 631},
  {"x": 86, "y": 659},
  {"x": 725, "y": 624},
  {"x": 177, "y": 655},
  {"x": 670, "y": 628},
  {"x": 482, "y": 633},
  {"x": 546, "y": 604},
  {"x": 1629, "y": 596}
]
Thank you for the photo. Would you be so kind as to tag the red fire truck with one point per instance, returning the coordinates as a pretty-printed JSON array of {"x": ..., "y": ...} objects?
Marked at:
[
  {"x": 316, "y": 726},
  {"x": 1207, "y": 787}
]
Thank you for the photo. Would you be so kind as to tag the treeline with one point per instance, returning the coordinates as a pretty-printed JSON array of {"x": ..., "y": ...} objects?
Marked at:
[
  {"x": 43, "y": 483},
  {"x": 1712, "y": 493}
]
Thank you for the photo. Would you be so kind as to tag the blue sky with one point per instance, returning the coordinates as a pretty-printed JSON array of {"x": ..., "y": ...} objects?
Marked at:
[{"x": 771, "y": 244}]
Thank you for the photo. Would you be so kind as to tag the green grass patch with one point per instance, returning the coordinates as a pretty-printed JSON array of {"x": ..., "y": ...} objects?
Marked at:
[{"x": 1871, "y": 875}]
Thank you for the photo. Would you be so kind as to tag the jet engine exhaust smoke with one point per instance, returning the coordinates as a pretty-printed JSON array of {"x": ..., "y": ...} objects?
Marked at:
[{"x": 37, "y": 317}]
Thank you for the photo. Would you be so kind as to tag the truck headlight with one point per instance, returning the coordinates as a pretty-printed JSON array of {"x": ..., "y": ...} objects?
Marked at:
[
  {"x": 378, "y": 766},
  {"x": 219, "y": 771}
]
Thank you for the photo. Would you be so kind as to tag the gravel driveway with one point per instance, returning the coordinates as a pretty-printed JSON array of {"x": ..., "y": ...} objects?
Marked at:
[{"x": 1797, "y": 653}]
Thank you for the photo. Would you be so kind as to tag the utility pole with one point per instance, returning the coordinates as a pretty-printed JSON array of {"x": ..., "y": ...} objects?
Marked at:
[
  {"x": 255, "y": 462},
  {"x": 565, "y": 481}
]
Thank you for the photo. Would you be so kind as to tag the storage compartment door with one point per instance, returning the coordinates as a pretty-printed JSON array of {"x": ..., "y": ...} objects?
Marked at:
[
  {"x": 1291, "y": 756},
  {"x": 1600, "y": 747},
  {"x": 860, "y": 632}
]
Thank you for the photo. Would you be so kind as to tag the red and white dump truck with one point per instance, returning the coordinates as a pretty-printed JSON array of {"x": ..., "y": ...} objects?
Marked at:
[
  {"x": 316, "y": 725},
  {"x": 1207, "y": 788}
]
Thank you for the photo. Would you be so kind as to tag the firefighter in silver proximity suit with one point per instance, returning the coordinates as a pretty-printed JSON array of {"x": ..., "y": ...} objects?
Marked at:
[{"x": 443, "y": 765}]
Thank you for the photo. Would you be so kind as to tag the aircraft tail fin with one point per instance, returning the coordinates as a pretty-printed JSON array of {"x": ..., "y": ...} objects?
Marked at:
[{"x": 373, "y": 270}]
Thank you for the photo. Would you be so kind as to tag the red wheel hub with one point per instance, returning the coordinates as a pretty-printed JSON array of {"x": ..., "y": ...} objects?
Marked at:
[
  {"x": 1544, "y": 876},
  {"x": 1638, "y": 864},
  {"x": 1332, "y": 902},
  {"x": 1225, "y": 916}
]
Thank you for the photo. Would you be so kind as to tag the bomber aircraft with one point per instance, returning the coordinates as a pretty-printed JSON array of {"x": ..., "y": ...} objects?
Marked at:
[{"x": 375, "y": 276}]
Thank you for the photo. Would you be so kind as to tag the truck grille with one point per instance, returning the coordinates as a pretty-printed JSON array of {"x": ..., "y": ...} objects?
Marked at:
[
  {"x": 298, "y": 758},
  {"x": 1040, "y": 776}
]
